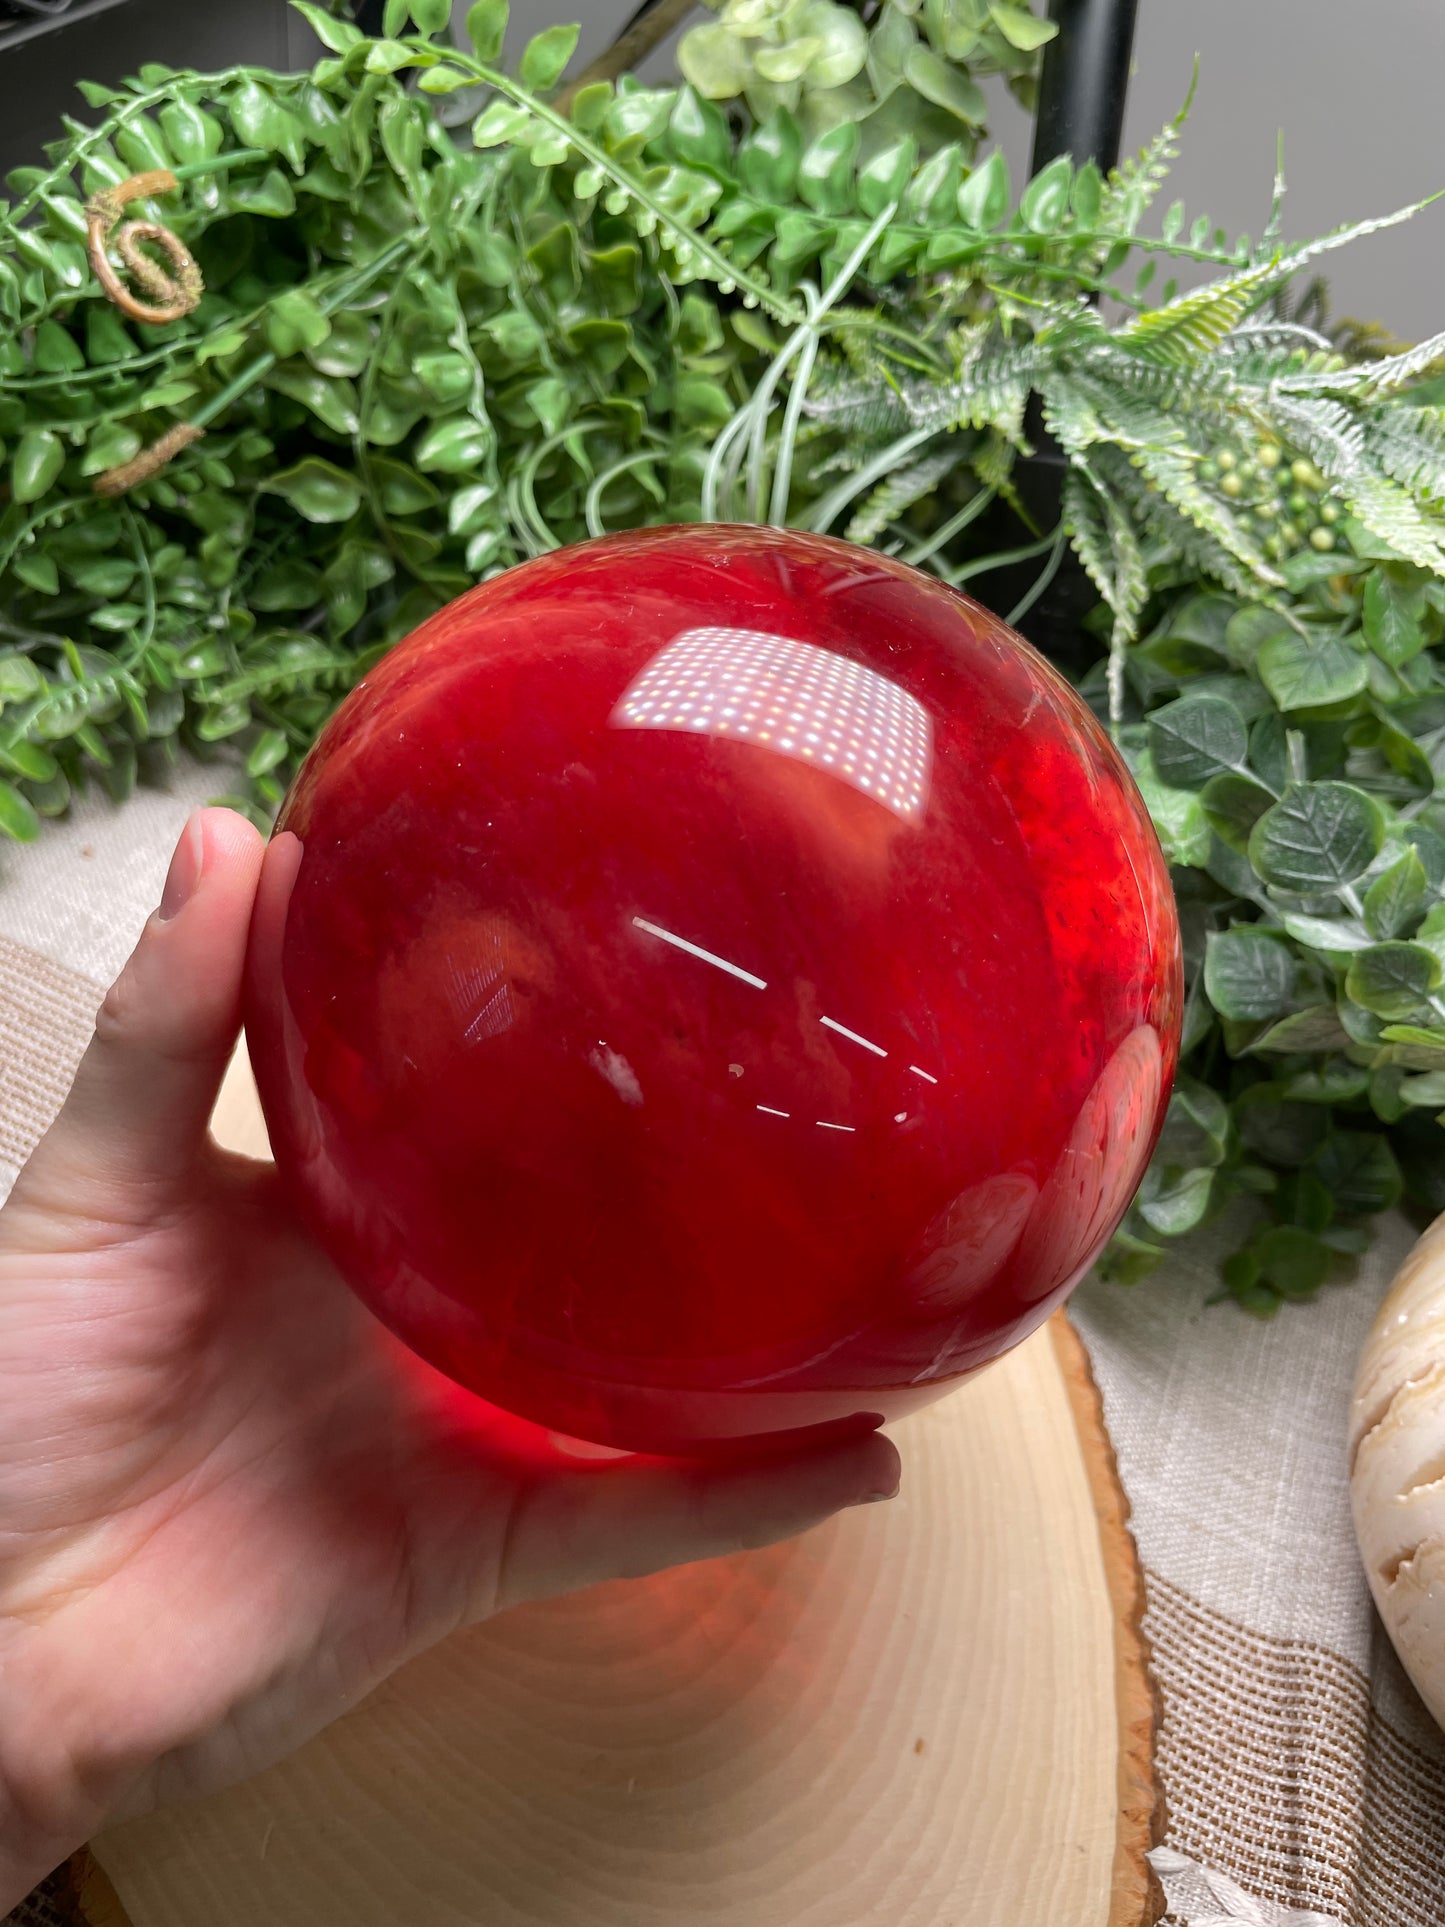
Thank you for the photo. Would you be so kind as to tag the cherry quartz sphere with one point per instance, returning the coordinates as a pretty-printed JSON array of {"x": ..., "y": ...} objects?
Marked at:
[{"x": 730, "y": 985}]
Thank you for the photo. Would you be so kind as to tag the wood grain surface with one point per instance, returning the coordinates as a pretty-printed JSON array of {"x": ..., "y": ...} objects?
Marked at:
[{"x": 934, "y": 1713}]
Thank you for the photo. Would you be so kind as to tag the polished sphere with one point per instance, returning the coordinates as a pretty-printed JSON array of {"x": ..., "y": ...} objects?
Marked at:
[{"x": 730, "y": 984}]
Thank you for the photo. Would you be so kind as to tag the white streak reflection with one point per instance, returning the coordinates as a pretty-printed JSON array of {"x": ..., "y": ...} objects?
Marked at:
[
  {"x": 703, "y": 956},
  {"x": 923, "y": 1074},
  {"x": 852, "y": 1036}
]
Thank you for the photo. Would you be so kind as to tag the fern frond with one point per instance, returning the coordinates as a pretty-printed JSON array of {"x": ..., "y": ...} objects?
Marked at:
[
  {"x": 1376, "y": 377},
  {"x": 994, "y": 388},
  {"x": 1391, "y": 513},
  {"x": 1290, "y": 259},
  {"x": 1173, "y": 475},
  {"x": 898, "y": 494},
  {"x": 1086, "y": 517},
  {"x": 1191, "y": 326},
  {"x": 1133, "y": 184},
  {"x": 1173, "y": 534},
  {"x": 1409, "y": 445}
]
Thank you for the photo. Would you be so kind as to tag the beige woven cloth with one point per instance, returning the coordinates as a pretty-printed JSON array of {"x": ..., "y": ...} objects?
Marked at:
[{"x": 1306, "y": 1787}]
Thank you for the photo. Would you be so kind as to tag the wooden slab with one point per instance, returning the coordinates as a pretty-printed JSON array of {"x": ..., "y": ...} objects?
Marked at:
[{"x": 934, "y": 1713}]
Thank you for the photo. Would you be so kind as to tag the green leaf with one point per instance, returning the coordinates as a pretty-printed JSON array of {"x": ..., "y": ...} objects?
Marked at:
[
  {"x": 273, "y": 195},
  {"x": 1248, "y": 973},
  {"x": 318, "y": 490},
  {"x": 191, "y": 133},
  {"x": 260, "y": 120},
  {"x": 39, "y": 458},
  {"x": 500, "y": 122},
  {"x": 1179, "y": 1205},
  {"x": 110, "y": 445},
  {"x": 401, "y": 490},
  {"x": 768, "y": 159},
  {"x": 30, "y": 761},
  {"x": 1283, "y": 1133},
  {"x": 1087, "y": 194},
  {"x": 431, "y": 16},
  {"x": 882, "y": 181},
  {"x": 444, "y": 80},
  {"x": 1247, "y": 632},
  {"x": 453, "y": 445},
  {"x": 545, "y": 57},
  {"x": 1326, "y": 933},
  {"x": 1393, "y": 617},
  {"x": 1178, "y": 817},
  {"x": 467, "y": 509},
  {"x": 1232, "y": 806},
  {"x": 487, "y": 28},
  {"x": 1320, "y": 837},
  {"x": 714, "y": 60},
  {"x": 1307, "y": 675},
  {"x": 56, "y": 350},
  {"x": 983, "y": 200},
  {"x": 697, "y": 133},
  {"x": 17, "y": 815},
  {"x": 37, "y": 572},
  {"x": 1359, "y": 1170},
  {"x": 1197, "y": 737},
  {"x": 1394, "y": 979},
  {"x": 1316, "y": 1029},
  {"x": 1292, "y": 1260},
  {"x": 1020, "y": 28},
  {"x": 825, "y": 174},
  {"x": 947, "y": 87},
  {"x": 1046, "y": 198},
  {"x": 333, "y": 402},
  {"x": 339, "y": 35},
  {"x": 1395, "y": 900},
  {"x": 294, "y": 321},
  {"x": 1416, "y": 1046},
  {"x": 286, "y": 585}
]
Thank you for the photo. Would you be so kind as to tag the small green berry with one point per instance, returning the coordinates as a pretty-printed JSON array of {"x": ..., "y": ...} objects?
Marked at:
[
  {"x": 1306, "y": 474},
  {"x": 1292, "y": 534},
  {"x": 1231, "y": 486},
  {"x": 1208, "y": 471},
  {"x": 1322, "y": 539},
  {"x": 1273, "y": 547},
  {"x": 1269, "y": 456},
  {"x": 1225, "y": 459},
  {"x": 1329, "y": 512},
  {"x": 1300, "y": 504}
]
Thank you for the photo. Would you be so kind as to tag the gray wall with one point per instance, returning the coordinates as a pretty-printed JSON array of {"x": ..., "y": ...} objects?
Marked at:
[{"x": 1355, "y": 90}]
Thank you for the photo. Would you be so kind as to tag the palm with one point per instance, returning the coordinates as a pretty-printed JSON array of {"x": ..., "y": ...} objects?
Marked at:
[
  {"x": 241, "y": 1436},
  {"x": 230, "y": 1503}
]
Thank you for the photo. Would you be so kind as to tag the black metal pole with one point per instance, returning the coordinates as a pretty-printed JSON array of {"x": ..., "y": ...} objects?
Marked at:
[
  {"x": 1084, "y": 82},
  {"x": 1082, "y": 89}
]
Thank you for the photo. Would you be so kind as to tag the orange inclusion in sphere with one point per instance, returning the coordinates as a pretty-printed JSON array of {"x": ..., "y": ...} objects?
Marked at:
[{"x": 731, "y": 984}]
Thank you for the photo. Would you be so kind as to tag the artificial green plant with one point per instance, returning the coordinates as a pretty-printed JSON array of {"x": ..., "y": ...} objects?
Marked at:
[{"x": 418, "y": 359}]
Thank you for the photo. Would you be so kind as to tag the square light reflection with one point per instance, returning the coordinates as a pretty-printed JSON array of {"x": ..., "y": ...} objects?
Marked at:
[{"x": 795, "y": 699}]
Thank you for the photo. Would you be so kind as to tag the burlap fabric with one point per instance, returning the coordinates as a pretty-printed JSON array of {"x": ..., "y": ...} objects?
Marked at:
[{"x": 1304, "y": 1782}]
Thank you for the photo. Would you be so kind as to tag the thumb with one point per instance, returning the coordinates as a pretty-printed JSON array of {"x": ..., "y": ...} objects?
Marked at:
[
  {"x": 622, "y": 1520},
  {"x": 138, "y": 1109}
]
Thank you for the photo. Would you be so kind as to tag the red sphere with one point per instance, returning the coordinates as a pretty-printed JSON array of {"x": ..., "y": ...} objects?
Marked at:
[{"x": 730, "y": 985}]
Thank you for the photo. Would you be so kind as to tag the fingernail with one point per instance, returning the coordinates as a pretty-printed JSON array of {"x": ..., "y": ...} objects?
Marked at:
[
  {"x": 876, "y": 1498},
  {"x": 185, "y": 871}
]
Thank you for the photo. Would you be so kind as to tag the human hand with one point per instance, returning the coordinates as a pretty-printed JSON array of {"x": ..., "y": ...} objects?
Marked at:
[{"x": 230, "y": 1502}]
